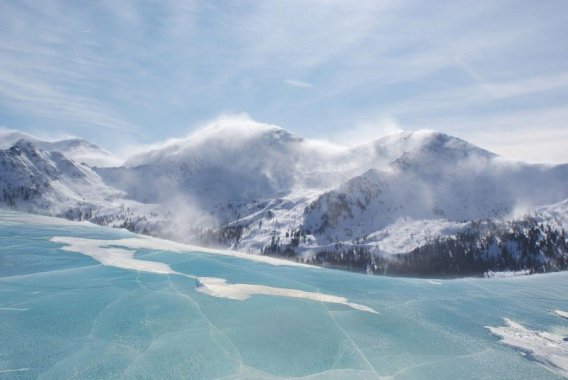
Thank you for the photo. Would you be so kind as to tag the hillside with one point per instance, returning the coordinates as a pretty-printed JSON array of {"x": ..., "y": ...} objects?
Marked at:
[
  {"x": 76, "y": 149},
  {"x": 261, "y": 189}
]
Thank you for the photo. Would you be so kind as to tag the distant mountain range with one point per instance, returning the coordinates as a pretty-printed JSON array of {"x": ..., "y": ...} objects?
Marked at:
[
  {"x": 78, "y": 150},
  {"x": 421, "y": 203}
]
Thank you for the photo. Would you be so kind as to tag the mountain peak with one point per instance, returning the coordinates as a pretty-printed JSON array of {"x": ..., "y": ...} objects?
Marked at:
[
  {"x": 425, "y": 145},
  {"x": 23, "y": 146},
  {"x": 77, "y": 149},
  {"x": 233, "y": 130},
  {"x": 76, "y": 142},
  {"x": 224, "y": 135}
]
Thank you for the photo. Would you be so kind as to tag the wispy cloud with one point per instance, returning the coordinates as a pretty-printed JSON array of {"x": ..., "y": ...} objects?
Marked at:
[
  {"x": 43, "y": 100},
  {"x": 298, "y": 83},
  {"x": 148, "y": 71},
  {"x": 528, "y": 86}
]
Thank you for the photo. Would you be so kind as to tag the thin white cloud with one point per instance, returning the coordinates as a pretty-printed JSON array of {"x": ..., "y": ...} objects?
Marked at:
[
  {"x": 298, "y": 83},
  {"x": 42, "y": 99},
  {"x": 528, "y": 86},
  {"x": 40, "y": 78},
  {"x": 152, "y": 64},
  {"x": 472, "y": 95},
  {"x": 307, "y": 34},
  {"x": 532, "y": 135}
]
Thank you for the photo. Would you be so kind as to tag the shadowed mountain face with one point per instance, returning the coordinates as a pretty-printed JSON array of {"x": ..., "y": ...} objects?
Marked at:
[{"x": 259, "y": 188}]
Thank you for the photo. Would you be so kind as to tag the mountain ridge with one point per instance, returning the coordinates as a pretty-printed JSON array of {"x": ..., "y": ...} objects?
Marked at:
[
  {"x": 78, "y": 149},
  {"x": 270, "y": 191}
]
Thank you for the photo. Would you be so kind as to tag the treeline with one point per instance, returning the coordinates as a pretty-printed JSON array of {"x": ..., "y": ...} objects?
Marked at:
[
  {"x": 225, "y": 236},
  {"x": 25, "y": 193},
  {"x": 487, "y": 246},
  {"x": 276, "y": 248},
  {"x": 484, "y": 246}
]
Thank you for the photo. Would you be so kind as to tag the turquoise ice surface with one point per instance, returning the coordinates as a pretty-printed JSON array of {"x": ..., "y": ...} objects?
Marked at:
[{"x": 65, "y": 316}]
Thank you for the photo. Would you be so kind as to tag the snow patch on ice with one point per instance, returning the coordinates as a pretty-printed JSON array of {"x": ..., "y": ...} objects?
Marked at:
[
  {"x": 101, "y": 251},
  {"x": 218, "y": 287},
  {"x": 561, "y": 313},
  {"x": 107, "y": 253},
  {"x": 508, "y": 274},
  {"x": 147, "y": 242},
  {"x": 548, "y": 349},
  {"x": 10, "y": 217}
]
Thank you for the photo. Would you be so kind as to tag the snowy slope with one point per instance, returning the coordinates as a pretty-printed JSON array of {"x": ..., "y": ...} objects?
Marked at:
[
  {"x": 48, "y": 180},
  {"x": 78, "y": 150},
  {"x": 231, "y": 163},
  {"x": 417, "y": 187},
  {"x": 34, "y": 180},
  {"x": 262, "y": 183},
  {"x": 432, "y": 176},
  {"x": 555, "y": 214}
]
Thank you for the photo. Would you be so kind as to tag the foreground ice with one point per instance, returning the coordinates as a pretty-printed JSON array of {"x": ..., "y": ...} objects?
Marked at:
[
  {"x": 156, "y": 309},
  {"x": 104, "y": 251},
  {"x": 548, "y": 349}
]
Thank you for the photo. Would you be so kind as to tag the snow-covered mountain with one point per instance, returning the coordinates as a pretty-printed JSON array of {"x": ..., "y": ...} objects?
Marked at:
[
  {"x": 230, "y": 169},
  {"x": 79, "y": 150},
  {"x": 432, "y": 175},
  {"x": 261, "y": 189},
  {"x": 48, "y": 180},
  {"x": 38, "y": 181}
]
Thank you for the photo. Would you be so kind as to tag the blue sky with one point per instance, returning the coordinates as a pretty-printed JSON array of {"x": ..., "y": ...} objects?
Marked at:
[{"x": 123, "y": 73}]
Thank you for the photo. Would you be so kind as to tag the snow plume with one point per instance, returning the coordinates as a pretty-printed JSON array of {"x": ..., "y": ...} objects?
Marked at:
[
  {"x": 367, "y": 131},
  {"x": 232, "y": 129},
  {"x": 9, "y": 136},
  {"x": 184, "y": 218},
  {"x": 243, "y": 148},
  {"x": 520, "y": 210},
  {"x": 227, "y": 131}
]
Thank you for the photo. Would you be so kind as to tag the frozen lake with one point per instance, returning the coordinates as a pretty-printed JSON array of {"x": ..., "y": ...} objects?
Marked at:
[{"x": 83, "y": 302}]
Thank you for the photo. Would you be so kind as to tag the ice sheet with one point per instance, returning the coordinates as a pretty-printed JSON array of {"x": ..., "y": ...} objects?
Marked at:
[
  {"x": 548, "y": 349},
  {"x": 142, "y": 241},
  {"x": 61, "y": 316}
]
